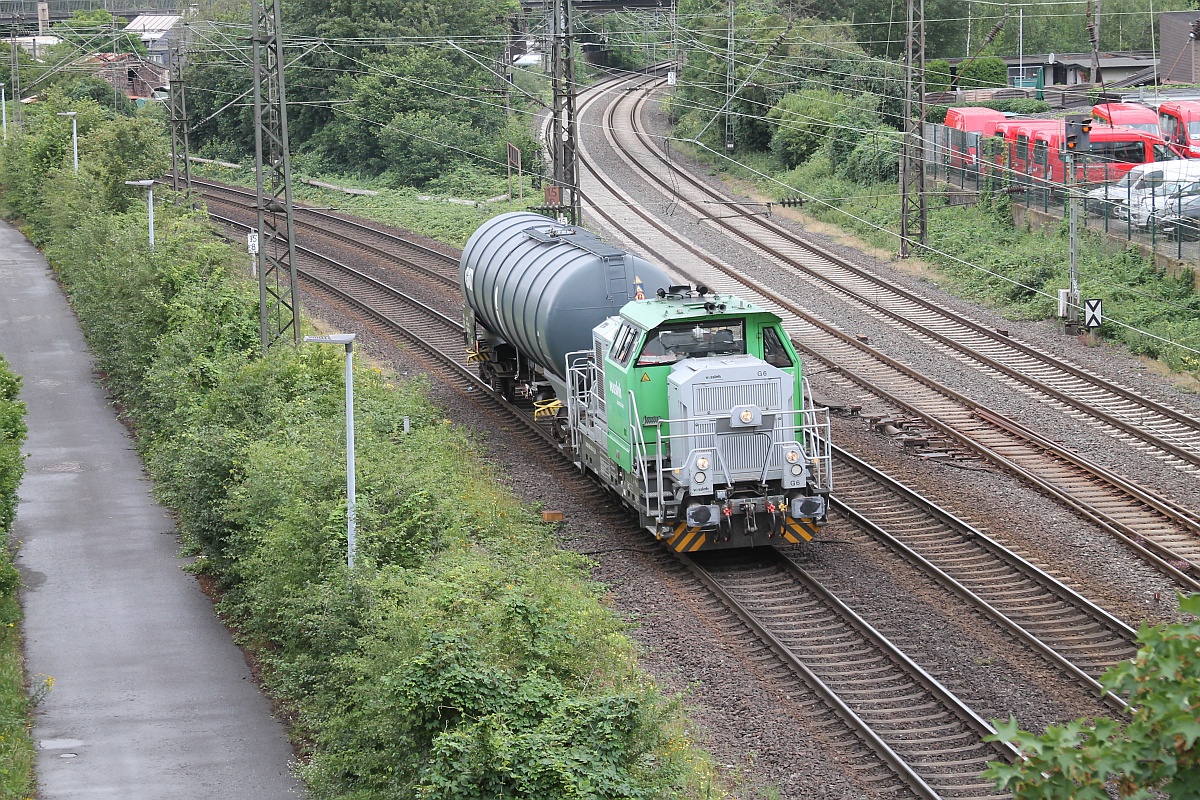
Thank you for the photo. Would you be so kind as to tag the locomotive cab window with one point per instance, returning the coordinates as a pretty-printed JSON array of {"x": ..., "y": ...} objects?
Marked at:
[
  {"x": 622, "y": 347},
  {"x": 774, "y": 352},
  {"x": 669, "y": 343}
]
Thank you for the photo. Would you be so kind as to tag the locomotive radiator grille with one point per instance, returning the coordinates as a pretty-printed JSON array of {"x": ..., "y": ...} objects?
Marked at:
[
  {"x": 720, "y": 397},
  {"x": 744, "y": 453}
]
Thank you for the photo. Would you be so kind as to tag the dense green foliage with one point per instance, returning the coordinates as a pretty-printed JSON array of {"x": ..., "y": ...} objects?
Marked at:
[
  {"x": 1050, "y": 26},
  {"x": 465, "y": 656},
  {"x": 812, "y": 69},
  {"x": 1152, "y": 754},
  {"x": 16, "y": 747},
  {"x": 988, "y": 72},
  {"x": 412, "y": 101},
  {"x": 937, "y": 75}
]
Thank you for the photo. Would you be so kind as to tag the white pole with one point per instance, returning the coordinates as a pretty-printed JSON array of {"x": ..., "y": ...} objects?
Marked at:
[
  {"x": 351, "y": 531},
  {"x": 151, "y": 204},
  {"x": 4, "y": 111},
  {"x": 1021, "y": 44},
  {"x": 75, "y": 146}
]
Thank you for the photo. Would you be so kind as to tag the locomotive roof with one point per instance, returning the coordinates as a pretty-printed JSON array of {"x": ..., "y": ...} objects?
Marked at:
[{"x": 652, "y": 312}]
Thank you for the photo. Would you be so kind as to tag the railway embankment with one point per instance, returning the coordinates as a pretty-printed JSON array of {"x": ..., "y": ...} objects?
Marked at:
[{"x": 463, "y": 650}]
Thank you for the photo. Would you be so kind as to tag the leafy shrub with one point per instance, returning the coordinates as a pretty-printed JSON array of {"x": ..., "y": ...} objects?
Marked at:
[
  {"x": 12, "y": 436},
  {"x": 16, "y": 747},
  {"x": 852, "y": 126},
  {"x": 875, "y": 159},
  {"x": 936, "y": 114},
  {"x": 1018, "y": 105},
  {"x": 988, "y": 72},
  {"x": 937, "y": 75},
  {"x": 804, "y": 122},
  {"x": 1150, "y": 754}
]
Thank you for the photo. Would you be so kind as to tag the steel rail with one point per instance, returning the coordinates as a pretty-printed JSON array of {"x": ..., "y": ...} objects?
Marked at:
[
  {"x": 388, "y": 255},
  {"x": 956, "y": 416},
  {"x": 1174, "y": 443},
  {"x": 890, "y": 657},
  {"x": 949, "y": 542}
]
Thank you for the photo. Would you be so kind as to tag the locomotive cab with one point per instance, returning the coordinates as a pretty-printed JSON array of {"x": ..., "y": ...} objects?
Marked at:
[{"x": 693, "y": 408}]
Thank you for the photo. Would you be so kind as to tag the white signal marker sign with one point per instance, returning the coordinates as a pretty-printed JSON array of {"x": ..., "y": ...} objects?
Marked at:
[
  {"x": 1093, "y": 313},
  {"x": 252, "y": 242}
]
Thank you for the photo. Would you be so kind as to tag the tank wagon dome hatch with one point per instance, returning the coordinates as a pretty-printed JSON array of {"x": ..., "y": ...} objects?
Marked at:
[{"x": 542, "y": 286}]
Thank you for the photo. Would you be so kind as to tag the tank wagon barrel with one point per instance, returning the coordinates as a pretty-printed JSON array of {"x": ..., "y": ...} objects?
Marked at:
[{"x": 541, "y": 286}]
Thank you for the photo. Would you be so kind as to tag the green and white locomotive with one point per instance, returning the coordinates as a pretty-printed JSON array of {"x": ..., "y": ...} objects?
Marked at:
[{"x": 689, "y": 406}]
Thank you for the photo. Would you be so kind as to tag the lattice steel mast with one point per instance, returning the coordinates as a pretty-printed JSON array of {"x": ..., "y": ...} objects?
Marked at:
[
  {"x": 181, "y": 168},
  {"x": 912, "y": 159},
  {"x": 564, "y": 127},
  {"x": 278, "y": 283}
]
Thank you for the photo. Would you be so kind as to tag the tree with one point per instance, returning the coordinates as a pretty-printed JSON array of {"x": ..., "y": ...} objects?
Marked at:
[
  {"x": 1153, "y": 753},
  {"x": 803, "y": 123},
  {"x": 92, "y": 31}
]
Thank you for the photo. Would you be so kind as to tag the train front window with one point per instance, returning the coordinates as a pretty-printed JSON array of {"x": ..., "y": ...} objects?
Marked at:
[{"x": 669, "y": 343}]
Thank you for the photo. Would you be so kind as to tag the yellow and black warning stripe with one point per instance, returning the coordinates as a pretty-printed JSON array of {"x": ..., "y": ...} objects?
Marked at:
[
  {"x": 686, "y": 540},
  {"x": 804, "y": 528}
]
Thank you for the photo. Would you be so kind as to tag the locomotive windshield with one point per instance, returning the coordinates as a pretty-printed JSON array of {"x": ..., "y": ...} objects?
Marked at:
[{"x": 669, "y": 343}]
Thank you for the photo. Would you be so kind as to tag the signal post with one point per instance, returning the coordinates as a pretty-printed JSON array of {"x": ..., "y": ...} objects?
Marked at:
[{"x": 1076, "y": 140}]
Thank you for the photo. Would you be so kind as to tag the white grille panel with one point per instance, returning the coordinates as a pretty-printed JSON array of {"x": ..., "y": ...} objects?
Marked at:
[
  {"x": 720, "y": 397},
  {"x": 742, "y": 452}
]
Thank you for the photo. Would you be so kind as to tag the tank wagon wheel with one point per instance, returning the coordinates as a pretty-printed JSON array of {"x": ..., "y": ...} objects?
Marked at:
[{"x": 502, "y": 387}]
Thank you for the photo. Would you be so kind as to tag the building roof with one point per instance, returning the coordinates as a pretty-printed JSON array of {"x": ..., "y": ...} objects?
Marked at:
[
  {"x": 152, "y": 26},
  {"x": 1111, "y": 60}
]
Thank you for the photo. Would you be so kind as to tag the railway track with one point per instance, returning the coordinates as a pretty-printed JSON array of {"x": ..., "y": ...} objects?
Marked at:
[
  {"x": 1151, "y": 427},
  {"x": 934, "y": 749},
  {"x": 932, "y": 740},
  {"x": 434, "y": 264},
  {"x": 1161, "y": 531}
]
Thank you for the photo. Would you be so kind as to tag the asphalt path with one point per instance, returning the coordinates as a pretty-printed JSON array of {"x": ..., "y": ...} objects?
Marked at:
[{"x": 150, "y": 697}]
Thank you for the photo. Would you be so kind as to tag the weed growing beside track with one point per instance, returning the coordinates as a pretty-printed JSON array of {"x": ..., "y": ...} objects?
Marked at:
[
  {"x": 16, "y": 747},
  {"x": 465, "y": 656}
]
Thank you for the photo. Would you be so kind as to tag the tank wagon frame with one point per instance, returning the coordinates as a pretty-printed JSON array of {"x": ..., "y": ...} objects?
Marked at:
[{"x": 690, "y": 407}]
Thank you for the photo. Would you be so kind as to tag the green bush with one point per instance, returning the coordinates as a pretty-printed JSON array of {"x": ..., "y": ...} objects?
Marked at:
[
  {"x": 16, "y": 747},
  {"x": 804, "y": 123},
  {"x": 875, "y": 159},
  {"x": 852, "y": 126},
  {"x": 12, "y": 462},
  {"x": 988, "y": 72},
  {"x": 937, "y": 75},
  {"x": 465, "y": 655}
]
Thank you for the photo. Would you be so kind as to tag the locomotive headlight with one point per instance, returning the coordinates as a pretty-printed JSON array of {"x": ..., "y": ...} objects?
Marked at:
[
  {"x": 792, "y": 456},
  {"x": 699, "y": 477},
  {"x": 703, "y": 463},
  {"x": 747, "y": 416},
  {"x": 797, "y": 469}
]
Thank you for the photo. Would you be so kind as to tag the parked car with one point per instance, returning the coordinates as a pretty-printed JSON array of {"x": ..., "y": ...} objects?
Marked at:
[
  {"x": 1180, "y": 221},
  {"x": 1166, "y": 201},
  {"x": 1138, "y": 183}
]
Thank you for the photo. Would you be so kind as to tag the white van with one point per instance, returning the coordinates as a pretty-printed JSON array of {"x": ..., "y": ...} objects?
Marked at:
[{"x": 1136, "y": 187}]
